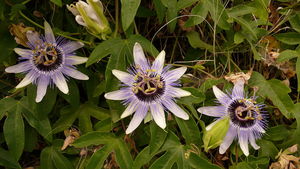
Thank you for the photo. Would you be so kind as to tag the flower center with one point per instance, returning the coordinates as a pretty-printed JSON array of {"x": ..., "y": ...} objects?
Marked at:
[
  {"x": 244, "y": 112},
  {"x": 47, "y": 58},
  {"x": 148, "y": 86}
]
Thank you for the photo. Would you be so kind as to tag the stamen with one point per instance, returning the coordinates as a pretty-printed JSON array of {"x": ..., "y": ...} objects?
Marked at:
[
  {"x": 148, "y": 85},
  {"x": 47, "y": 57},
  {"x": 244, "y": 112}
]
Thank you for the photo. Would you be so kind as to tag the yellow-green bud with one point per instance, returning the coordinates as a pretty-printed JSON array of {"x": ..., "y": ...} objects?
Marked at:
[{"x": 91, "y": 16}]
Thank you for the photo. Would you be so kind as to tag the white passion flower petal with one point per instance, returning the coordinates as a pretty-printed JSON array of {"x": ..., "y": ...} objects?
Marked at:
[
  {"x": 139, "y": 57},
  {"x": 214, "y": 111},
  {"x": 238, "y": 89},
  {"x": 118, "y": 94},
  {"x": 123, "y": 76},
  {"x": 18, "y": 68},
  {"x": 23, "y": 52},
  {"x": 76, "y": 60},
  {"x": 60, "y": 82},
  {"x": 228, "y": 139},
  {"x": 223, "y": 98},
  {"x": 158, "y": 63},
  {"x": 137, "y": 118},
  {"x": 158, "y": 114},
  {"x": 243, "y": 141},
  {"x": 174, "y": 75},
  {"x": 131, "y": 108},
  {"x": 42, "y": 85},
  {"x": 29, "y": 78},
  {"x": 71, "y": 46},
  {"x": 177, "y": 92},
  {"x": 49, "y": 36},
  {"x": 75, "y": 74},
  {"x": 34, "y": 38},
  {"x": 175, "y": 109}
]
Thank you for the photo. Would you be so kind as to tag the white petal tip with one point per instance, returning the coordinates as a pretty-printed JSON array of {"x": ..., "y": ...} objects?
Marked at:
[
  {"x": 207, "y": 128},
  {"x": 81, "y": 44},
  {"x": 222, "y": 150},
  {"x": 137, "y": 44},
  {"x": 85, "y": 77},
  {"x": 187, "y": 93},
  {"x": 128, "y": 131},
  {"x": 185, "y": 117},
  {"x": 37, "y": 100},
  {"x": 256, "y": 148},
  {"x": 8, "y": 70},
  {"x": 65, "y": 90},
  {"x": 106, "y": 96}
]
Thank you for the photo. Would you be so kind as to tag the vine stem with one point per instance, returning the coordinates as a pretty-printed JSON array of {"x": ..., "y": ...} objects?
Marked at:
[{"x": 59, "y": 34}]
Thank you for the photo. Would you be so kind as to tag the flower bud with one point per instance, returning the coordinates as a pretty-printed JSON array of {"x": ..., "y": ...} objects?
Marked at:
[{"x": 91, "y": 16}]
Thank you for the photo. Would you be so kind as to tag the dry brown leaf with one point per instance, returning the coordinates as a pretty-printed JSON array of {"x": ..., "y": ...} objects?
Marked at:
[{"x": 19, "y": 32}]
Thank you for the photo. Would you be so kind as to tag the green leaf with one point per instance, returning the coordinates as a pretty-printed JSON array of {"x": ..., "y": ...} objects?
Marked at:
[
  {"x": 296, "y": 134},
  {"x": 209, "y": 83},
  {"x": 94, "y": 138},
  {"x": 243, "y": 165},
  {"x": 240, "y": 10},
  {"x": 50, "y": 157},
  {"x": 249, "y": 30},
  {"x": 201, "y": 11},
  {"x": 181, "y": 4},
  {"x": 214, "y": 137},
  {"x": 198, "y": 162},
  {"x": 287, "y": 55},
  {"x": 218, "y": 13},
  {"x": 142, "y": 158},
  {"x": 14, "y": 132},
  {"x": 6, "y": 105},
  {"x": 99, "y": 89},
  {"x": 238, "y": 38},
  {"x": 41, "y": 124},
  {"x": 46, "y": 158},
  {"x": 298, "y": 73},
  {"x": 60, "y": 161},
  {"x": 295, "y": 22},
  {"x": 104, "y": 125},
  {"x": 101, "y": 51},
  {"x": 267, "y": 148},
  {"x": 7, "y": 160},
  {"x": 98, "y": 158},
  {"x": 276, "y": 91},
  {"x": 128, "y": 12},
  {"x": 256, "y": 55},
  {"x": 157, "y": 139},
  {"x": 167, "y": 160},
  {"x": 189, "y": 130},
  {"x": 73, "y": 97},
  {"x": 123, "y": 155},
  {"x": 171, "y": 13},
  {"x": 160, "y": 10},
  {"x": 67, "y": 116},
  {"x": 277, "y": 133},
  {"x": 57, "y": 2},
  {"x": 290, "y": 38},
  {"x": 196, "y": 42}
]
